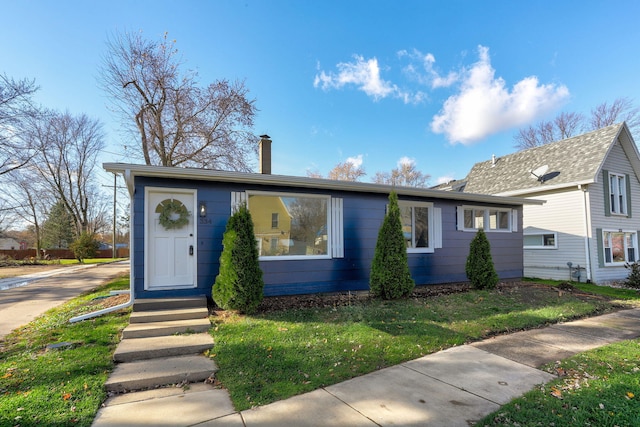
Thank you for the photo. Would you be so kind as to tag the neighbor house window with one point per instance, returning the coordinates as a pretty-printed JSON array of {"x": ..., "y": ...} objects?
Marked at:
[
  {"x": 619, "y": 247},
  {"x": 618, "y": 193},
  {"x": 291, "y": 226},
  {"x": 473, "y": 218},
  {"x": 417, "y": 221},
  {"x": 540, "y": 241}
]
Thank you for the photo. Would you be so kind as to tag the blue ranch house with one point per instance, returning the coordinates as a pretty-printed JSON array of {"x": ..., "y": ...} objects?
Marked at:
[{"x": 313, "y": 235}]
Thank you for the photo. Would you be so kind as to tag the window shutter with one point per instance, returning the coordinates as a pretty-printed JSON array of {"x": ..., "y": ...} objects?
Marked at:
[
  {"x": 337, "y": 228},
  {"x": 600, "y": 247},
  {"x": 237, "y": 199},
  {"x": 607, "y": 196},
  {"x": 627, "y": 185},
  {"x": 460, "y": 218},
  {"x": 514, "y": 220},
  {"x": 437, "y": 228}
]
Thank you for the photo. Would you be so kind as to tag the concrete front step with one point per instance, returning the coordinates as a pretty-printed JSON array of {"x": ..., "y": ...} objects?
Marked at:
[
  {"x": 133, "y": 349},
  {"x": 145, "y": 374},
  {"x": 169, "y": 327},
  {"x": 168, "y": 315},
  {"x": 169, "y": 303}
]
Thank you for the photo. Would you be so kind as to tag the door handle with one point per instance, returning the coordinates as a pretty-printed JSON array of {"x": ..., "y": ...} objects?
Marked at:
[{"x": 190, "y": 249}]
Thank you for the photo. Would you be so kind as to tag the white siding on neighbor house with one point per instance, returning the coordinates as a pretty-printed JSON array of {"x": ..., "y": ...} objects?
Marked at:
[
  {"x": 616, "y": 162},
  {"x": 563, "y": 213}
]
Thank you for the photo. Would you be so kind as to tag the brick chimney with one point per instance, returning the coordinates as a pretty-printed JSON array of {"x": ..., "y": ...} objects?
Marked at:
[{"x": 264, "y": 146}]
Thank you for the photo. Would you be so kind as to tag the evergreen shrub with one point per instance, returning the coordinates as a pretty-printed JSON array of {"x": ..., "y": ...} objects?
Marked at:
[
  {"x": 239, "y": 285},
  {"x": 479, "y": 268},
  {"x": 390, "y": 277}
]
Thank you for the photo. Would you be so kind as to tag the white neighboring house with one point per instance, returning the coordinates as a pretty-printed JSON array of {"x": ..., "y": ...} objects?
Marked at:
[
  {"x": 591, "y": 217},
  {"x": 8, "y": 243}
]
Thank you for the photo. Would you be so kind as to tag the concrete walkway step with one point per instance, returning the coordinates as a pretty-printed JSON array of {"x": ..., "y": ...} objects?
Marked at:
[
  {"x": 168, "y": 303},
  {"x": 145, "y": 374},
  {"x": 169, "y": 327},
  {"x": 167, "y": 315},
  {"x": 133, "y": 349}
]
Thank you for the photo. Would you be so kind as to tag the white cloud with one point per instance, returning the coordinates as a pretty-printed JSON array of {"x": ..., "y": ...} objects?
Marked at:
[
  {"x": 485, "y": 105},
  {"x": 355, "y": 161},
  {"x": 364, "y": 74},
  {"x": 426, "y": 73},
  {"x": 406, "y": 161}
]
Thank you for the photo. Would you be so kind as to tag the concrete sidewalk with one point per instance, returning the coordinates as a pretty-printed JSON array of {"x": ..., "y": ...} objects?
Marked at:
[
  {"x": 453, "y": 387},
  {"x": 21, "y": 304}
]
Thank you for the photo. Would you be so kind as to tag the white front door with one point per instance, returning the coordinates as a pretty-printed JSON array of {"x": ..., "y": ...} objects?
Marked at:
[{"x": 170, "y": 241}]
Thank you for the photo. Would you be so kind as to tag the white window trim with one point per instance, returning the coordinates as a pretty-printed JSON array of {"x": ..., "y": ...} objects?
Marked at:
[
  {"x": 542, "y": 247},
  {"x": 430, "y": 225},
  {"x": 511, "y": 212},
  {"x": 634, "y": 233},
  {"x": 614, "y": 190},
  {"x": 329, "y": 225}
]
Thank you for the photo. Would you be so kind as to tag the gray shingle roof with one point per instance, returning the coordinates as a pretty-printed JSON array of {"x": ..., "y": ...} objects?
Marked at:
[{"x": 570, "y": 161}]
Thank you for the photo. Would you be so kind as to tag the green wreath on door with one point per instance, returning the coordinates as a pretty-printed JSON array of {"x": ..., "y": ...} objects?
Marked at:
[{"x": 173, "y": 214}]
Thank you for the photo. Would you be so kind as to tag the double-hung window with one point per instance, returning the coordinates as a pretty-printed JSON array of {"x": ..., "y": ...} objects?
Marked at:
[
  {"x": 417, "y": 225},
  {"x": 618, "y": 193},
  {"x": 619, "y": 247}
]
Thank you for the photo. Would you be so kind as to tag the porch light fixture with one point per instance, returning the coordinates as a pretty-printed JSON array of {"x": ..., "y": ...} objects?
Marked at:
[{"x": 203, "y": 209}]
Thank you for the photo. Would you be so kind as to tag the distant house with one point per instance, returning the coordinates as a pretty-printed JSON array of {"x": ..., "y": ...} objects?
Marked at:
[
  {"x": 314, "y": 235},
  {"x": 591, "y": 216},
  {"x": 8, "y": 243}
]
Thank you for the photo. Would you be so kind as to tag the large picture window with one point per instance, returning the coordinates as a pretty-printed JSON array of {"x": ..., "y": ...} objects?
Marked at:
[
  {"x": 619, "y": 247},
  {"x": 291, "y": 225},
  {"x": 416, "y": 218}
]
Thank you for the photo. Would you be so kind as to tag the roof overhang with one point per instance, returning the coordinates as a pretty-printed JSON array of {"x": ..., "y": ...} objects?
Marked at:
[
  {"x": 541, "y": 189},
  {"x": 130, "y": 171}
]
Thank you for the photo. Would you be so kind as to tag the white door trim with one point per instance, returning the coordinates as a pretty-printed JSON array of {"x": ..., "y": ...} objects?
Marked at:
[{"x": 193, "y": 230}]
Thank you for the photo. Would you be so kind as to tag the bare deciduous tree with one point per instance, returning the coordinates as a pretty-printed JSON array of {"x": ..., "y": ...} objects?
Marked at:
[
  {"x": 15, "y": 107},
  {"x": 178, "y": 123},
  {"x": 619, "y": 110},
  {"x": 67, "y": 149},
  {"x": 349, "y": 170},
  {"x": 28, "y": 201},
  {"x": 566, "y": 125},
  {"x": 405, "y": 175}
]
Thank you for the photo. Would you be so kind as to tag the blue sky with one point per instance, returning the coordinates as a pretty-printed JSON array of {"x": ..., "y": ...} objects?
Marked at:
[{"x": 442, "y": 83}]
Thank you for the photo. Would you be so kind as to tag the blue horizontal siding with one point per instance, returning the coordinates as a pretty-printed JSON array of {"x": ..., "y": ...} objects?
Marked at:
[{"x": 362, "y": 217}]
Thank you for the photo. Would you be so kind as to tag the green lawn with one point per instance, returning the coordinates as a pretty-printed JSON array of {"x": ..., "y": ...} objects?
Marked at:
[
  {"x": 600, "y": 387},
  {"x": 65, "y": 386},
  {"x": 268, "y": 357}
]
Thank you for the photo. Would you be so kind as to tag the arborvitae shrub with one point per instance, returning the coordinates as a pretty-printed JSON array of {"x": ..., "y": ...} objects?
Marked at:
[
  {"x": 633, "y": 279},
  {"x": 85, "y": 246},
  {"x": 480, "y": 269},
  {"x": 239, "y": 285},
  {"x": 390, "y": 277}
]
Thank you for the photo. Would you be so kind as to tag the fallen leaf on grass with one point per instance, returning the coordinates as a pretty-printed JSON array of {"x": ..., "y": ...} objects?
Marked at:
[
  {"x": 66, "y": 396},
  {"x": 556, "y": 393},
  {"x": 630, "y": 395}
]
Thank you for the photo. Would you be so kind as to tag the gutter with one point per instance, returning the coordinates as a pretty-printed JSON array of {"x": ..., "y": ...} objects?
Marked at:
[{"x": 130, "y": 170}]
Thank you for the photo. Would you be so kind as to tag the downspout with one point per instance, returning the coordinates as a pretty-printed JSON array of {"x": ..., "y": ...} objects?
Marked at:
[
  {"x": 129, "y": 182},
  {"x": 587, "y": 224}
]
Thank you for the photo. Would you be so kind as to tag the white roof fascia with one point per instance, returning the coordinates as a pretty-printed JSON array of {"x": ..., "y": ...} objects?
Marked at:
[
  {"x": 523, "y": 192},
  {"x": 304, "y": 182}
]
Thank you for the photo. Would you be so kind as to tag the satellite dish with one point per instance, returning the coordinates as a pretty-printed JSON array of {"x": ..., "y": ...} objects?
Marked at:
[{"x": 538, "y": 173}]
